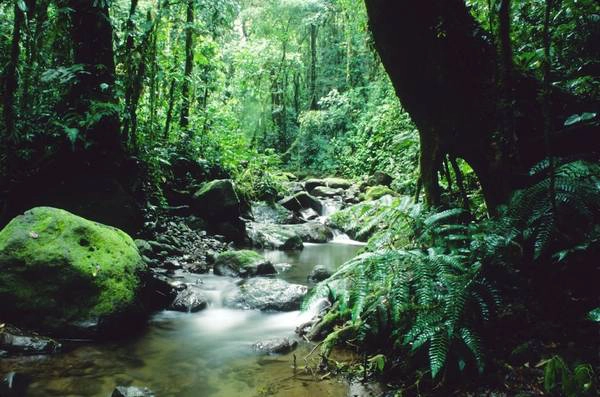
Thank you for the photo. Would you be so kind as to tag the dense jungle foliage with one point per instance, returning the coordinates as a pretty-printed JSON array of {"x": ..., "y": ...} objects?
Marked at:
[{"x": 480, "y": 272}]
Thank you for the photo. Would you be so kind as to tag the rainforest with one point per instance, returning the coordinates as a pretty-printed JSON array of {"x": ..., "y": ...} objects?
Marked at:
[{"x": 342, "y": 198}]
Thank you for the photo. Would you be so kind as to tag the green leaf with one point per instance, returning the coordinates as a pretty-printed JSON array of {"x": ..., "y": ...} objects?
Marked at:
[
  {"x": 578, "y": 118},
  {"x": 72, "y": 134},
  {"x": 594, "y": 315},
  {"x": 22, "y": 6}
]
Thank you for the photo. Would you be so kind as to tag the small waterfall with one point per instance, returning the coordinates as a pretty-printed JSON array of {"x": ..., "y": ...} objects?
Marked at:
[{"x": 343, "y": 238}]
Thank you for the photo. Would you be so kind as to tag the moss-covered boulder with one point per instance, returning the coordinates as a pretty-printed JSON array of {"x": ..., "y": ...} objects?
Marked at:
[
  {"x": 243, "y": 263},
  {"x": 377, "y": 192},
  {"x": 221, "y": 204},
  {"x": 58, "y": 270}
]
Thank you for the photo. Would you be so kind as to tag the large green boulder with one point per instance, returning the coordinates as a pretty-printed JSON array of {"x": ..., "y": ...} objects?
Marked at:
[{"x": 59, "y": 271}]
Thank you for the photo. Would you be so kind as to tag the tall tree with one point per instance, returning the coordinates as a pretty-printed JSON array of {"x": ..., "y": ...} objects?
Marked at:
[
  {"x": 10, "y": 84},
  {"x": 184, "y": 119},
  {"x": 442, "y": 65},
  {"x": 93, "y": 95}
]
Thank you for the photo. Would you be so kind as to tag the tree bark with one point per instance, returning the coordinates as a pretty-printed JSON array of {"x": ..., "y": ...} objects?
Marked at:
[
  {"x": 92, "y": 36},
  {"x": 10, "y": 87},
  {"x": 443, "y": 67},
  {"x": 189, "y": 65},
  {"x": 312, "y": 76}
]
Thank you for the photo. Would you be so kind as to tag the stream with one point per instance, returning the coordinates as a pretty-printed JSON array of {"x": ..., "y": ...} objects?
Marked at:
[{"x": 208, "y": 353}]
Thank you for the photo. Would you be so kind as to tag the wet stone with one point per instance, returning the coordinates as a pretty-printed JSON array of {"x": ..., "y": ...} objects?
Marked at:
[
  {"x": 132, "y": 391},
  {"x": 275, "y": 346}
]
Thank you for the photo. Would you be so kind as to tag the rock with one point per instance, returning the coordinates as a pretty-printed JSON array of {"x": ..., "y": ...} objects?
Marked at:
[
  {"x": 338, "y": 183},
  {"x": 275, "y": 346},
  {"x": 163, "y": 247},
  {"x": 308, "y": 214},
  {"x": 57, "y": 269},
  {"x": 131, "y": 391},
  {"x": 197, "y": 267},
  {"x": 14, "y": 384},
  {"x": 13, "y": 340},
  {"x": 310, "y": 184},
  {"x": 158, "y": 291},
  {"x": 171, "y": 264},
  {"x": 278, "y": 237},
  {"x": 313, "y": 232},
  {"x": 266, "y": 294},
  {"x": 242, "y": 263},
  {"x": 319, "y": 273},
  {"x": 376, "y": 192},
  {"x": 324, "y": 191},
  {"x": 300, "y": 201},
  {"x": 293, "y": 187},
  {"x": 288, "y": 237},
  {"x": 144, "y": 247},
  {"x": 380, "y": 178},
  {"x": 264, "y": 212},
  {"x": 190, "y": 300},
  {"x": 220, "y": 204},
  {"x": 335, "y": 183}
]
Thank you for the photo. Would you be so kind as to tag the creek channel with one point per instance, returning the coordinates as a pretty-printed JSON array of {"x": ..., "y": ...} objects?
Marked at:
[{"x": 202, "y": 354}]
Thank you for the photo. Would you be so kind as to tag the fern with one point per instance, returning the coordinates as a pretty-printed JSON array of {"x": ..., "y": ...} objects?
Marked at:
[{"x": 545, "y": 220}]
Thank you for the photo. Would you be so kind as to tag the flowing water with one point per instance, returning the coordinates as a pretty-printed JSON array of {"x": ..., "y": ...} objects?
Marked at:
[{"x": 195, "y": 355}]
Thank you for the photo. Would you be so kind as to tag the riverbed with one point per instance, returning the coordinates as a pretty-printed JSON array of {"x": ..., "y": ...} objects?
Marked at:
[{"x": 202, "y": 354}]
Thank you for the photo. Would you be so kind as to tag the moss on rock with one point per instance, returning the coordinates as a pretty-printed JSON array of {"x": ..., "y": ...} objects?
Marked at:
[
  {"x": 243, "y": 263},
  {"x": 377, "y": 192},
  {"x": 56, "y": 268}
]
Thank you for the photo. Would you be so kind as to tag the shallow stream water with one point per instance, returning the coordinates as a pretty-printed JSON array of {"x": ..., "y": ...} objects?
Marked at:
[{"x": 197, "y": 355}]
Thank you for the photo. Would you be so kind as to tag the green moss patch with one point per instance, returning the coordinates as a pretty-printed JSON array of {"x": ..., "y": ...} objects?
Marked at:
[{"x": 58, "y": 266}]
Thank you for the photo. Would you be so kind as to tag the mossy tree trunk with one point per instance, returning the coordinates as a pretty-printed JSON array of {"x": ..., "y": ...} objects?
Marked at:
[{"x": 444, "y": 68}]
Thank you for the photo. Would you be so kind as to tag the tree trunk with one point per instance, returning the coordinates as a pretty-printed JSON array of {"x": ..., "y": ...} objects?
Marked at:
[
  {"x": 129, "y": 78},
  {"x": 10, "y": 88},
  {"x": 312, "y": 76},
  {"x": 189, "y": 65},
  {"x": 169, "y": 111},
  {"x": 92, "y": 37},
  {"x": 443, "y": 67}
]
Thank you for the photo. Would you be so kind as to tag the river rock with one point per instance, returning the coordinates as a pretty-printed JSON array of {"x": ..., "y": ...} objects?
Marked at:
[
  {"x": 308, "y": 214},
  {"x": 319, "y": 273},
  {"x": 313, "y": 232},
  {"x": 244, "y": 263},
  {"x": 275, "y": 346},
  {"x": 266, "y": 294},
  {"x": 380, "y": 178},
  {"x": 376, "y": 192},
  {"x": 132, "y": 391},
  {"x": 338, "y": 183},
  {"x": 222, "y": 205},
  {"x": 300, "y": 201},
  {"x": 288, "y": 237},
  {"x": 13, "y": 340},
  {"x": 270, "y": 236},
  {"x": 158, "y": 291},
  {"x": 190, "y": 300},
  {"x": 144, "y": 247},
  {"x": 57, "y": 269},
  {"x": 264, "y": 212},
  {"x": 324, "y": 191}
]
